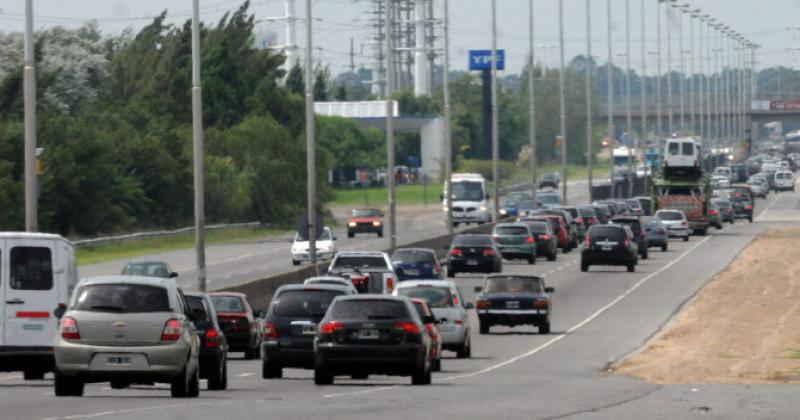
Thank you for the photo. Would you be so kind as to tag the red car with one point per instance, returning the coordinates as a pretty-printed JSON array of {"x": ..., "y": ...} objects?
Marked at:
[
  {"x": 239, "y": 322},
  {"x": 558, "y": 228},
  {"x": 429, "y": 320},
  {"x": 365, "y": 221}
]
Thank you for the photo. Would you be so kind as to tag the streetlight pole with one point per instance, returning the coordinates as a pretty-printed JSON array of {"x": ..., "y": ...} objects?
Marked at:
[
  {"x": 702, "y": 81},
  {"x": 311, "y": 144},
  {"x": 198, "y": 150},
  {"x": 563, "y": 107},
  {"x": 610, "y": 98},
  {"x": 589, "y": 70},
  {"x": 691, "y": 89},
  {"x": 448, "y": 137},
  {"x": 628, "y": 116},
  {"x": 532, "y": 96},
  {"x": 658, "y": 73},
  {"x": 29, "y": 97},
  {"x": 643, "y": 94},
  {"x": 390, "y": 158},
  {"x": 681, "y": 66},
  {"x": 495, "y": 122},
  {"x": 670, "y": 107}
]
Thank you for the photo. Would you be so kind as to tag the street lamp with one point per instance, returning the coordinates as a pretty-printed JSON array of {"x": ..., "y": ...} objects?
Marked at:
[
  {"x": 628, "y": 117},
  {"x": 610, "y": 98},
  {"x": 563, "y": 106},
  {"x": 198, "y": 150}
]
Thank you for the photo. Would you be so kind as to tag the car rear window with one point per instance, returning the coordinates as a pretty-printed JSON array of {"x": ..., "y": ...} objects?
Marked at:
[
  {"x": 513, "y": 285},
  {"x": 364, "y": 262},
  {"x": 227, "y": 303},
  {"x": 537, "y": 227},
  {"x": 196, "y": 306},
  {"x": 413, "y": 257},
  {"x": 586, "y": 212},
  {"x": 155, "y": 269},
  {"x": 473, "y": 240},
  {"x": 607, "y": 232},
  {"x": 369, "y": 309},
  {"x": 669, "y": 215},
  {"x": 437, "y": 297},
  {"x": 548, "y": 198},
  {"x": 511, "y": 230},
  {"x": 31, "y": 268},
  {"x": 687, "y": 149},
  {"x": 673, "y": 148},
  {"x": 303, "y": 303},
  {"x": 122, "y": 298}
]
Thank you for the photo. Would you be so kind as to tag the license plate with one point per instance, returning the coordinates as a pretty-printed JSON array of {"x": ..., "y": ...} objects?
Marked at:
[
  {"x": 472, "y": 262},
  {"x": 412, "y": 272},
  {"x": 606, "y": 248},
  {"x": 309, "y": 329},
  {"x": 119, "y": 360},
  {"x": 512, "y": 304},
  {"x": 368, "y": 334}
]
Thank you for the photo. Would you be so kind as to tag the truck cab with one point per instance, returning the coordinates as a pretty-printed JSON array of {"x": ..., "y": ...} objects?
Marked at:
[{"x": 470, "y": 200}]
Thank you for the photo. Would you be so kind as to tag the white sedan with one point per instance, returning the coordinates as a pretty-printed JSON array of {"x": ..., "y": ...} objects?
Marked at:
[{"x": 326, "y": 247}]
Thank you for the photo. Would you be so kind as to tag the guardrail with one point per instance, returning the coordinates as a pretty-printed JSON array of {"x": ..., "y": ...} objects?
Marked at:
[{"x": 85, "y": 243}]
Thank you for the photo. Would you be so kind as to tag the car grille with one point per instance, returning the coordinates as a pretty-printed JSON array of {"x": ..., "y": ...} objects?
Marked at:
[{"x": 459, "y": 209}]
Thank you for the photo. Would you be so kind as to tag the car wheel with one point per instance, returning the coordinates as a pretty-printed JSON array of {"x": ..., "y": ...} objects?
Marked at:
[
  {"x": 322, "y": 376},
  {"x": 421, "y": 375},
  {"x": 483, "y": 328},
  {"x": 544, "y": 328},
  {"x": 219, "y": 379},
  {"x": 119, "y": 385},
  {"x": 664, "y": 248},
  {"x": 194, "y": 384},
  {"x": 33, "y": 375},
  {"x": 584, "y": 266},
  {"x": 631, "y": 267},
  {"x": 252, "y": 353},
  {"x": 686, "y": 238},
  {"x": 565, "y": 249},
  {"x": 455, "y": 224},
  {"x": 271, "y": 370},
  {"x": 360, "y": 376},
  {"x": 380, "y": 234},
  {"x": 532, "y": 260},
  {"x": 465, "y": 351},
  {"x": 451, "y": 273},
  {"x": 351, "y": 235},
  {"x": 645, "y": 254},
  {"x": 436, "y": 365},
  {"x": 295, "y": 262},
  {"x": 750, "y": 218},
  {"x": 179, "y": 388},
  {"x": 66, "y": 386},
  {"x": 552, "y": 256}
]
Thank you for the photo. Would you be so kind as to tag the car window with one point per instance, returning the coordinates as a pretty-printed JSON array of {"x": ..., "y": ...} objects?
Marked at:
[
  {"x": 363, "y": 262},
  {"x": 369, "y": 309},
  {"x": 227, "y": 303},
  {"x": 366, "y": 213},
  {"x": 303, "y": 303},
  {"x": 197, "y": 306},
  {"x": 148, "y": 269},
  {"x": 510, "y": 230},
  {"x": 413, "y": 257},
  {"x": 437, "y": 297},
  {"x": 538, "y": 227},
  {"x": 31, "y": 268},
  {"x": 607, "y": 232},
  {"x": 513, "y": 285},
  {"x": 673, "y": 148},
  {"x": 669, "y": 215},
  {"x": 548, "y": 198},
  {"x": 473, "y": 240},
  {"x": 122, "y": 298}
]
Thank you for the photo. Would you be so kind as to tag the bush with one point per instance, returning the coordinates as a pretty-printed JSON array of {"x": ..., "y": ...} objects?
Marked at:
[{"x": 484, "y": 167}]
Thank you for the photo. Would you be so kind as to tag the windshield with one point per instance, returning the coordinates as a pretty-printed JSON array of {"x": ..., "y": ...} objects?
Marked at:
[
  {"x": 437, "y": 297},
  {"x": 413, "y": 257},
  {"x": 513, "y": 285},
  {"x": 362, "y": 262},
  {"x": 369, "y": 309},
  {"x": 147, "y": 269},
  {"x": 548, "y": 198},
  {"x": 122, "y": 298},
  {"x": 366, "y": 213},
  {"x": 669, "y": 215},
  {"x": 303, "y": 303},
  {"x": 473, "y": 240},
  {"x": 468, "y": 191},
  {"x": 325, "y": 236},
  {"x": 227, "y": 304}
]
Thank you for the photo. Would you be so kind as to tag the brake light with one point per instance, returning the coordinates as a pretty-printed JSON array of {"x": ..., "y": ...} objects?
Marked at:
[
  {"x": 458, "y": 322},
  {"x": 269, "y": 332},
  {"x": 173, "y": 330},
  {"x": 482, "y": 304},
  {"x": 530, "y": 240},
  {"x": 579, "y": 220},
  {"x": 389, "y": 284},
  {"x": 455, "y": 299},
  {"x": 437, "y": 268},
  {"x": 407, "y": 327},
  {"x": 545, "y": 237},
  {"x": 714, "y": 212},
  {"x": 749, "y": 207},
  {"x": 69, "y": 329},
  {"x": 627, "y": 242},
  {"x": 456, "y": 252},
  {"x": 488, "y": 252},
  {"x": 592, "y": 220},
  {"x": 212, "y": 339},
  {"x": 587, "y": 242},
  {"x": 331, "y": 326},
  {"x": 494, "y": 237}
]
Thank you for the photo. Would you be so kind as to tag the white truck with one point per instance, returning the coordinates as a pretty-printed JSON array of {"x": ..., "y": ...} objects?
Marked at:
[
  {"x": 470, "y": 199},
  {"x": 622, "y": 155}
]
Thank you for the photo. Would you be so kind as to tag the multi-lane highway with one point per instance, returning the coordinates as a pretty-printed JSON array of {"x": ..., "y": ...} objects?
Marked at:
[{"x": 598, "y": 318}]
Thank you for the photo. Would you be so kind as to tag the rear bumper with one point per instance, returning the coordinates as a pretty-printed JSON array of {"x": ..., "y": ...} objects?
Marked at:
[
  {"x": 152, "y": 363},
  {"x": 289, "y": 357},
  {"x": 512, "y": 317},
  {"x": 20, "y": 358},
  {"x": 379, "y": 359},
  {"x": 517, "y": 252},
  {"x": 462, "y": 266},
  {"x": 609, "y": 258}
]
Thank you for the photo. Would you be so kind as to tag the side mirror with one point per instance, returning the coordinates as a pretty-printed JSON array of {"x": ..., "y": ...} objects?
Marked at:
[
  {"x": 478, "y": 289},
  {"x": 549, "y": 289},
  {"x": 469, "y": 305},
  {"x": 173, "y": 275},
  {"x": 59, "y": 312}
]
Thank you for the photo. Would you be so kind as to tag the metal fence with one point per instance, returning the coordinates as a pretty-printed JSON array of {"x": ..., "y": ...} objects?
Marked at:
[{"x": 87, "y": 243}]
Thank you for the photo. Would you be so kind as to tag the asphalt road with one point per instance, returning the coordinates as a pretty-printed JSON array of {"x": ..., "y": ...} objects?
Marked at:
[
  {"x": 238, "y": 263},
  {"x": 598, "y": 318}
]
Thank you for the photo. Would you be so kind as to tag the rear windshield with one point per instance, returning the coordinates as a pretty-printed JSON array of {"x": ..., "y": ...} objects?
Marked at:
[
  {"x": 473, "y": 240},
  {"x": 363, "y": 262},
  {"x": 783, "y": 175},
  {"x": 634, "y": 204},
  {"x": 154, "y": 269},
  {"x": 303, "y": 303},
  {"x": 633, "y": 224},
  {"x": 548, "y": 198},
  {"x": 513, "y": 285},
  {"x": 587, "y": 212},
  {"x": 538, "y": 227},
  {"x": 673, "y": 148},
  {"x": 437, "y": 297},
  {"x": 197, "y": 306},
  {"x": 413, "y": 257},
  {"x": 607, "y": 232},
  {"x": 511, "y": 230},
  {"x": 670, "y": 215},
  {"x": 122, "y": 298},
  {"x": 687, "y": 149},
  {"x": 227, "y": 304},
  {"x": 369, "y": 309}
]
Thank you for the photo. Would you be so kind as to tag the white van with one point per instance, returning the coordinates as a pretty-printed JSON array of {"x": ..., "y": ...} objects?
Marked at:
[
  {"x": 470, "y": 200},
  {"x": 37, "y": 274},
  {"x": 724, "y": 171},
  {"x": 682, "y": 158}
]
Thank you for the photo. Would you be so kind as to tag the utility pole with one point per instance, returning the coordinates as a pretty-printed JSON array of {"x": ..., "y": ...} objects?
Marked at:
[
  {"x": 628, "y": 116},
  {"x": 448, "y": 140},
  {"x": 681, "y": 85},
  {"x": 643, "y": 139},
  {"x": 29, "y": 94},
  {"x": 691, "y": 89},
  {"x": 670, "y": 106},
  {"x": 495, "y": 122},
  {"x": 352, "y": 57},
  {"x": 390, "y": 124},
  {"x": 563, "y": 106},
  {"x": 198, "y": 150},
  {"x": 589, "y": 70},
  {"x": 610, "y": 98},
  {"x": 420, "y": 62},
  {"x": 717, "y": 89},
  {"x": 659, "y": 124},
  {"x": 311, "y": 145},
  {"x": 532, "y": 96},
  {"x": 702, "y": 81}
]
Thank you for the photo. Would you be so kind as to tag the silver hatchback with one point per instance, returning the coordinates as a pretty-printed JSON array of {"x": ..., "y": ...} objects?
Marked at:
[{"x": 126, "y": 330}]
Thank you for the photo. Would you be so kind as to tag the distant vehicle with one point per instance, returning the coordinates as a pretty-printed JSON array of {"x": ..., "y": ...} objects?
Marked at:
[
  {"x": 550, "y": 180},
  {"x": 608, "y": 245},
  {"x": 290, "y": 324},
  {"x": 548, "y": 198},
  {"x": 519, "y": 195},
  {"x": 416, "y": 263},
  {"x": 470, "y": 199},
  {"x": 325, "y": 244},
  {"x": 635, "y": 207},
  {"x": 573, "y": 235},
  {"x": 724, "y": 171},
  {"x": 657, "y": 235},
  {"x": 526, "y": 207},
  {"x": 429, "y": 322},
  {"x": 682, "y": 158},
  {"x": 624, "y": 160},
  {"x": 509, "y": 207},
  {"x": 159, "y": 342},
  {"x": 759, "y": 186},
  {"x": 513, "y": 300},
  {"x": 331, "y": 281},
  {"x": 366, "y": 334},
  {"x": 158, "y": 269},
  {"x": 239, "y": 322},
  {"x": 473, "y": 253},
  {"x": 639, "y": 234},
  {"x": 37, "y": 275},
  {"x": 546, "y": 241},
  {"x": 559, "y": 226},
  {"x": 370, "y": 272},
  {"x": 714, "y": 215},
  {"x": 365, "y": 221},
  {"x": 742, "y": 199},
  {"x": 784, "y": 181},
  {"x": 720, "y": 181},
  {"x": 589, "y": 216},
  {"x": 726, "y": 211},
  {"x": 689, "y": 196},
  {"x": 647, "y": 205},
  {"x": 213, "y": 357},
  {"x": 515, "y": 241},
  {"x": 447, "y": 303},
  {"x": 577, "y": 219},
  {"x": 676, "y": 223}
]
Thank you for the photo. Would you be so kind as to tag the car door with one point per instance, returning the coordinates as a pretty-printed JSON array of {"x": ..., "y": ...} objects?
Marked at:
[{"x": 30, "y": 293}]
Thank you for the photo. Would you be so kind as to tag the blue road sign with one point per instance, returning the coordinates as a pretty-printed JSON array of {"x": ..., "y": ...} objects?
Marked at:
[{"x": 482, "y": 59}]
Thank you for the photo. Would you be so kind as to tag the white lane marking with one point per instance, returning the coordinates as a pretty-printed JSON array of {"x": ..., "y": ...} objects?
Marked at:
[
  {"x": 10, "y": 377},
  {"x": 557, "y": 338},
  {"x": 244, "y": 375},
  {"x": 126, "y": 411}
]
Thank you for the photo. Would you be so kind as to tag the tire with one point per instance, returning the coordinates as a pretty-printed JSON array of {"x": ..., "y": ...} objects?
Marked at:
[
  {"x": 565, "y": 249},
  {"x": 645, "y": 254},
  {"x": 380, "y": 234},
  {"x": 750, "y": 218},
  {"x": 631, "y": 267},
  {"x": 544, "y": 328},
  {"x": 436, "y": 365},
  {"x": 664, "y": 248},
  {"x": 584, "y": 266},
  {"x": 66, "y": 386},
  {"x": 271, "y": 370},
  {"x": 552, "y": 257},
  {"x": 483, "y": 328},
  {"x": 686, "y": 238},
  {"x": 33, "y": 375},
  {"x": 360, "y": 376},
  {"x": 421, "y": 375},
  {"x": 219, "y": 380},
  {"x": 119, "y": 385},
  {"x": 252, "y": 353},
  {"x": 465, "y": 351},
  {"x": 451, "y": 273},
  {"x": 181, "y": 387},
  {"x": 455, "y": 224},
  {"x": 322, "y": 376},
  {"x": 351, "y": 235},
  {"x": 194, "y": 384},
  {"x": 295, "y": 262}
]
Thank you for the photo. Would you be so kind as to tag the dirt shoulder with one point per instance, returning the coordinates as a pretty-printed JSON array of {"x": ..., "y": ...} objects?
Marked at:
[{"x": 743, "y": 327}]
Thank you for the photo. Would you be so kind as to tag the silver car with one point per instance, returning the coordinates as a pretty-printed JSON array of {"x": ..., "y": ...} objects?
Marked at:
[
  {"x": 447, "y": 303},
  {"x": 126, "y": 330}
]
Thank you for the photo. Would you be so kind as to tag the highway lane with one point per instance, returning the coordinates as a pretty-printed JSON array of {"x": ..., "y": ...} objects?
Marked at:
[
  {"x": 516, "y": 373},
  {"x": 238, "y": 263}
]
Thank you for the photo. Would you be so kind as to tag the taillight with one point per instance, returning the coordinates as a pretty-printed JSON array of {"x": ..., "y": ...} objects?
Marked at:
[
  {"x": 458, "y": 322},
  {"x": 331, "y": 326},
  {"x": 579, "y": 220},
  {"x": 540, "y": 304},
  {"x": 389, "y": 284},
  {"x": 212, "y": 338},
  {"x": 627, "y": 242},
  {"x": 437, "y": 268},
  {"x": 530, "y": 240},
  {"x": 173, "y": 330},
  {"x": 488, "y": 252},
  {"x": 482, "y": 304},
  {"x": 455, "y": 300},
  {"x": 714, "y": 212},
  {"x": 407, "y": 327},
  {"x": 749, "y": 207},
  {"x": 587, "y": 242},
  {"x": 592, "y": 221},
  {"x": 269, "y": 332},
  {"x": 69, "y": 329},
  {"x": 545, "y": 237},
  {"x": 456, "y": 252},
  {"x": 495, "y": 237}
]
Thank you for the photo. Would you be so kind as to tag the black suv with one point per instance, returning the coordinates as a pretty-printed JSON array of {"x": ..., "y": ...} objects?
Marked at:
[
  {"x": 639, "y": 232},
  {"x": 290, "y": 324},
  {"x": 608, "y": 245},
  {"x": 214, "y": 347},
  {"x": 473, "y": 253}
]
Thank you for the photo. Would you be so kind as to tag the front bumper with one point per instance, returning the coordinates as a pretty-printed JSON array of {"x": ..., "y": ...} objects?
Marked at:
[
  {"x": 473, "y": 217},
  {"x": 321, "y": 255}
]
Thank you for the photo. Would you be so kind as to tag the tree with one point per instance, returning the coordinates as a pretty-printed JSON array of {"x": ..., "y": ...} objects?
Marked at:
[
  {"x": 295, "y": 81},
  {"x": 321, "y": 77}
]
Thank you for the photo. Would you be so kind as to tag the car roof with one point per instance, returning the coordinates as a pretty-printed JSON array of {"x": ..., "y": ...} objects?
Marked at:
[
  {"x": 32, "y": 235},
  {"x": 416, "y": 250},
  {"x": 330, "y": 287},
  {"x": 507, "y": 275},
  {"x": 371, "y": 297},
  {"x": 431, "y": 283},
  {"x": 625, "y": 219},
  {"x": 196, "y": 294},
  {"x": 360, "y": 254}
]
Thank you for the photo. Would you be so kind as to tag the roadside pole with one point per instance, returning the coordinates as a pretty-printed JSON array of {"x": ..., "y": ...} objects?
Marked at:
[
  {"x": 532, "y": 96},
  {"x": 29, "y": 88},
  {"x": 610, "y": 97},
  {"x": 198, "y": 150},
  {"x": 448, "y": 140},
  {"x": 495, "y": 122},
  {"x": 562, "y": 106},
  {"x": 311, "y": 144},
  {"x": 390, "y": 124},
  {"x": 589, "y": 70}
]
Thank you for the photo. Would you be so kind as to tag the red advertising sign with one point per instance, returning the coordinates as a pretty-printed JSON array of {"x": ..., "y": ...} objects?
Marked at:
[{"x": 784, "y": 105}]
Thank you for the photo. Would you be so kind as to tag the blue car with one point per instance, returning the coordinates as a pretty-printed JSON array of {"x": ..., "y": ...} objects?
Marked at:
[
  {"x": 509, "y": 208},
  {"x": 657, "y": 233},
  {"x": 416, "y": 263}
]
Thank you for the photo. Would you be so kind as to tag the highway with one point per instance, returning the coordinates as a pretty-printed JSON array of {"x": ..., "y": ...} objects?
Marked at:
[{"x": 598, "y": 318}]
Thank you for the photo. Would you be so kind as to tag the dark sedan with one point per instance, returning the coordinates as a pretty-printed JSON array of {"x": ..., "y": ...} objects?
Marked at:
[
  {"x": 640, "y": 236},
  {"x": 213, "y": 346},
  {"x": 608, "y": 245},
  {"x": 546, "y": 241},
  {"x": 416, "y": 263},
  {"x": 372, "y": 334},
  {"x": 514, "y": 300},
  {"x": 473, "y": 253}
]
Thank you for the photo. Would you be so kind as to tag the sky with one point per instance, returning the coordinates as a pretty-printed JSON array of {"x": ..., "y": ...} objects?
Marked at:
[{"x": 765, "y": 22}]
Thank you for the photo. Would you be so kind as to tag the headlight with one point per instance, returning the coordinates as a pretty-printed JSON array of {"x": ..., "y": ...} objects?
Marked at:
[
  {"x": 352, "y": 224},
  {"x": 503, "y": 212},
  {"x": 483, "y": 208},
  {"x": 376, "y": 223}
]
